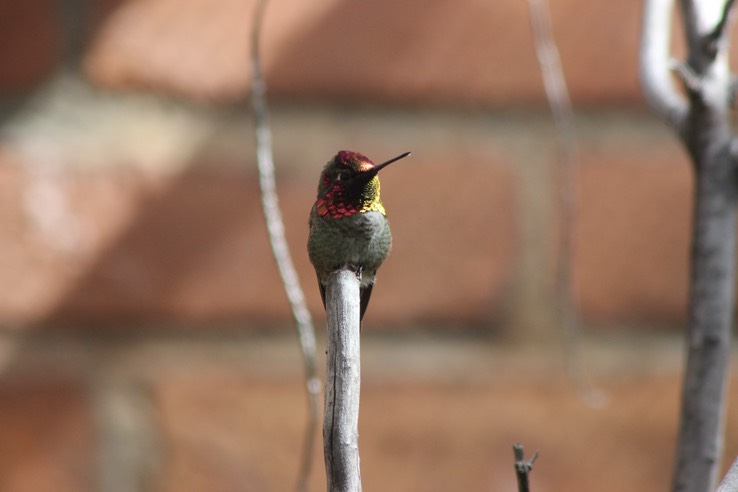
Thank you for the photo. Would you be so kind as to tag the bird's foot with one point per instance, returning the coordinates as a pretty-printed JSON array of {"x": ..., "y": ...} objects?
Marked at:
[{"x": 358, "y": 270}]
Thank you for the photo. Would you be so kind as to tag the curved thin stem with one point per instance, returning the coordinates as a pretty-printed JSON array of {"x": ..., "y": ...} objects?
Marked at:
[
  {"x": 275, "y": 228},
  {"x": 568, "y": 165}
]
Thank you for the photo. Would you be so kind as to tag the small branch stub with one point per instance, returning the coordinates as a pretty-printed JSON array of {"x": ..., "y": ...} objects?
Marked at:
[
  {"x": 730, "y": 481},
  {"x": 522, "y": 467},
  {"x": 342, "y": 383}
]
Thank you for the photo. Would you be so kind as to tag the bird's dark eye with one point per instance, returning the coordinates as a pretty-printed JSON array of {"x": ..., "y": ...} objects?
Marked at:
[{"x": 342, "y": 176}]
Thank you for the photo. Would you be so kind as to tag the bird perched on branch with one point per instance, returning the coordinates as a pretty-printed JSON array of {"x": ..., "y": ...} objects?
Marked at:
[{"x": 348, "y": 223}]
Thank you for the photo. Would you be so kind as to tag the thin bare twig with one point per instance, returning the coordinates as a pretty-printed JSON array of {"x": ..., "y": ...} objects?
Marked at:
[
  {"x": 522, "y": 467},
  {"x": 568, "y": 159},
  {"x": 275, "y": 227},
  {"x": 690, "y": 80}
]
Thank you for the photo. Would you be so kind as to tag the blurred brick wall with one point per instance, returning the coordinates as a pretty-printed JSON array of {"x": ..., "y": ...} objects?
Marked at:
[
  {"x": 171, "y": 232},
  {"x": 414, "y": 52},
  {"x": 129, "y": 202}
]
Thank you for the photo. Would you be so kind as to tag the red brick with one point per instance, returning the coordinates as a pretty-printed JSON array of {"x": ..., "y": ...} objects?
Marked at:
[
  {"x": 633, "y": 235},
  {"x": 54, "y": 223},
  {"x": 193, "y": 251},
  {"x": 413, "y": 52},
  {"x": 48, "y": 442},
  {"x": 224, "y": 433},
  {"x": 196, "y": 48},
  {"x": 31, "y": 37},
  {"x": 410, "y": 52}
]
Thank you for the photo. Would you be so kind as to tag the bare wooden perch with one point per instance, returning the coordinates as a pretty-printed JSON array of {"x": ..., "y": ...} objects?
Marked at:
[{"x": 342, "y": 383}]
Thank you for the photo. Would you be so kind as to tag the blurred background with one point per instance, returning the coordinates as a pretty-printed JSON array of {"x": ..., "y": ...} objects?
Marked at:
[{"x": 145, "y": 340}]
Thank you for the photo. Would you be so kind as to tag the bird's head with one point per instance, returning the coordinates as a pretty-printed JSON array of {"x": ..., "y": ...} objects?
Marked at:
[
  {"x": 349, "y": 185},
  {"x": 351, "y": 172}
]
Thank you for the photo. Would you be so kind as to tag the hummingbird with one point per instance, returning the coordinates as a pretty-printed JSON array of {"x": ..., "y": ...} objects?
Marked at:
[{"x": 348, "y": 223}]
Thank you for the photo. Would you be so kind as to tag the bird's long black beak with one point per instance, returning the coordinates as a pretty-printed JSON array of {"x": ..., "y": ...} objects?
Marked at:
[{"x": 373, "y": 171}]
